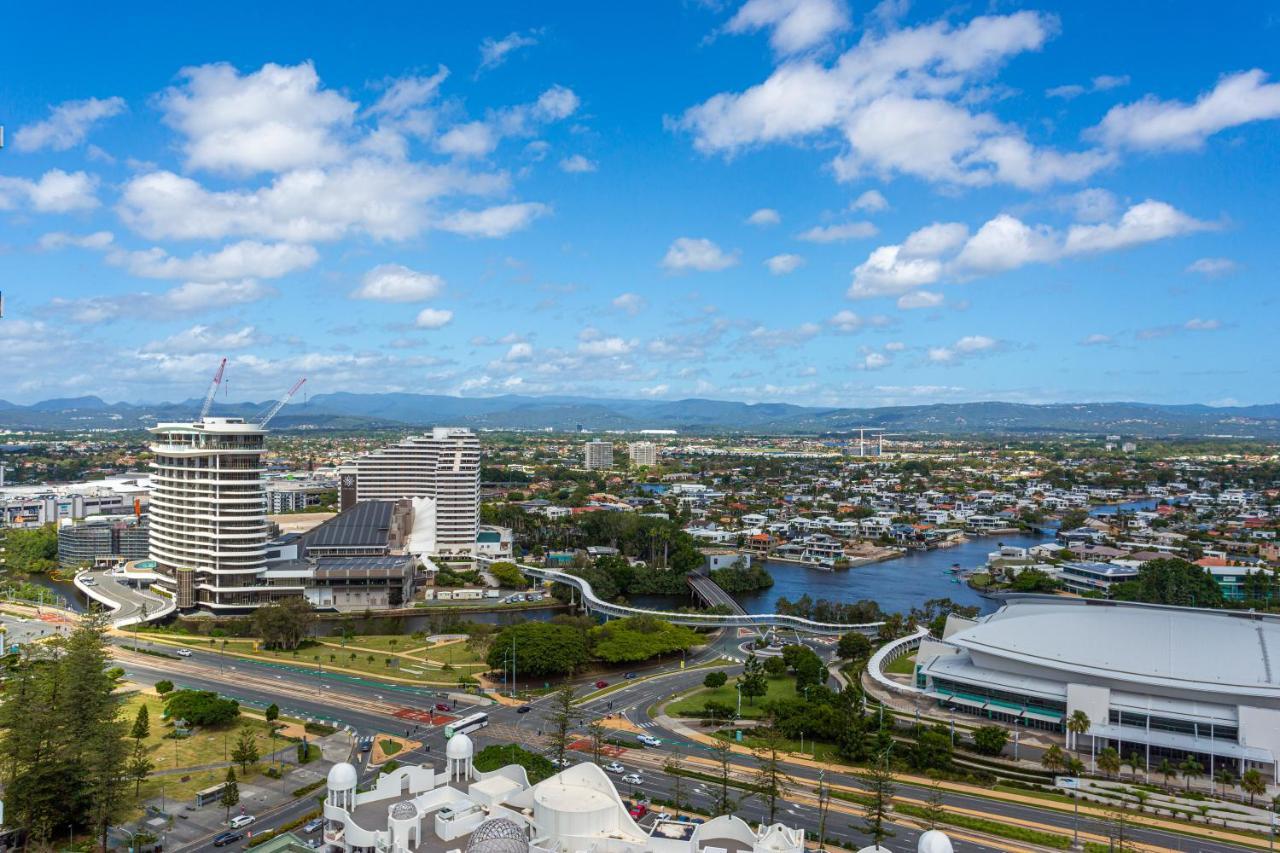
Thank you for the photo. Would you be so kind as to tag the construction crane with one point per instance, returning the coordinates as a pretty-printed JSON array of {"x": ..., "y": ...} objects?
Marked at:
[
  {"x": 279, "y": 404},
  {"x": 213, "y": 389}
]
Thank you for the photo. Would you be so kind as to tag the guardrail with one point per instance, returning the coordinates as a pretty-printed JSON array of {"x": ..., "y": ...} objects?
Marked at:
[
  {"x": 710, "y": 620},
  {"x": 890, "y": 652}
]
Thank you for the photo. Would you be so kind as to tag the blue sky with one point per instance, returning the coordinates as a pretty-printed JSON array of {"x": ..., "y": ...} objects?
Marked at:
[{"x": 807, "y": 201}]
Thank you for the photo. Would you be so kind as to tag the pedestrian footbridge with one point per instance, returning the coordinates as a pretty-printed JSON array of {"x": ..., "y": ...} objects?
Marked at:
[{"x": 737, "y": 619}]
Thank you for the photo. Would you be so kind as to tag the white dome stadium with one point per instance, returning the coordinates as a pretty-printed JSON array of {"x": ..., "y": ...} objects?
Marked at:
[
  {"x": 934, "y": 841},
  {"x": 460, "y": 747},
  {"x": 342, "y": 777}
]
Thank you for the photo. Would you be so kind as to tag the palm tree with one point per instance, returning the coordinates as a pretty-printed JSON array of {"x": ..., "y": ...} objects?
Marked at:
[
  {"x": 1167, "y": 770},
  {"x": 1253, "y": 783},
  {"x": 1052, "y": 759},
  {"x": 1077, "y": 724},
  {"x": 1137, "y": 763},
  {"x": 1109, "y": 761},
  {"x": 1190, "y": 767},
  {"x": 1225, "y": 778}
]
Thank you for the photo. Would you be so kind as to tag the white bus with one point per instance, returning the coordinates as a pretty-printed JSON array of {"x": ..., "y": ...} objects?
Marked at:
[{"x": 466, "y": 724}]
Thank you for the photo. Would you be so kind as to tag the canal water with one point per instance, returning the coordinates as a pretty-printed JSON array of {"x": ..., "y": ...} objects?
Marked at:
[{"x": 897, "y": 585}]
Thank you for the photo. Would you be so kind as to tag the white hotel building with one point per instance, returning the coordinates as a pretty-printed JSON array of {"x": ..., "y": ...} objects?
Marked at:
[
  {"x": 208, "y": 517},
  {"x": 439, "y": 471}
]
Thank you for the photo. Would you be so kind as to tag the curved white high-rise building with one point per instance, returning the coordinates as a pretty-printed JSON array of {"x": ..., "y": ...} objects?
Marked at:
[
  {"x": 443, "y": 465},
  {"x": 208, "y": 512}
]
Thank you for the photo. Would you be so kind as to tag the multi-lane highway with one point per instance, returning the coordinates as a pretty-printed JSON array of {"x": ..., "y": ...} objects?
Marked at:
[{"x": 368, "y": 707}]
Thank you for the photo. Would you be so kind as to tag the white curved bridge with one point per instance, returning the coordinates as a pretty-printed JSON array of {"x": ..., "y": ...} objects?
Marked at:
[{"x": 595, "y": 604}]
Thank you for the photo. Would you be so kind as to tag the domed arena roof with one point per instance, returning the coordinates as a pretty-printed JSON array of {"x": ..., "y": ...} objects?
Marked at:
[
  {"x": 498, "y": 835},
  {"x": 342, "y": 777},
  {"x": 460, "y": 746},
  {"x": 934, "y": 841}
]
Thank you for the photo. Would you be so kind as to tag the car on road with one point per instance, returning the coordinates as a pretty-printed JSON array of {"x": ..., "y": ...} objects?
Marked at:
[
  {"x": 629, "y": 675},
  {"x": 444, "y": 706},
  {"x": 315, "y": 843},
  {"x": 662, "y": 816},
  {"x": 240, "y": 821},
  {"x": 225, "y": 838},
  {"x": 366, "y": 744},
  {"x": 637, "y": 811},
  {"x": 560, "y": 762},
  {"x": 524, "y": 709},
  {"x": 649, "y": 740},
  {"x": 633, "y": 779},
  {"x": 615, "y": 767},
  {"x": 183, "y": 653},
  {"x": 600, "y": 685},
  {"x": 88, "y": 581},
  {"x": 313, "y": 825}
]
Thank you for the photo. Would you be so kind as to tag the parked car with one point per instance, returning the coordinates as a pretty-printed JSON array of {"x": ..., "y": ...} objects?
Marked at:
[
  {"x": 88, "y": 582},
  {"x": 183, "y": 653},
  {"x": 600, "y": 685},
  {"x": 560, "y": 762},
  {"x": 315, "y": 843},
  {"x": 615, "y": 767},
  {"x": 240, "y": 821},
  {"x": 524, "y": 709},
  {"x": 662, "y": 816},
  {"x": 649, "y": 740},
  {"x": 633, "y": 779},
  {"x": 225, "y": 838},
  {"x": 638, "y": 811},
  {"x": 313, "y": 825}
]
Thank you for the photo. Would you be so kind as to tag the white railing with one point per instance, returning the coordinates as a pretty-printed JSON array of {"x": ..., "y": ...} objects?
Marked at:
[
  {"x": 890, "y": 652},
  {"x": 713, "y": 620}
]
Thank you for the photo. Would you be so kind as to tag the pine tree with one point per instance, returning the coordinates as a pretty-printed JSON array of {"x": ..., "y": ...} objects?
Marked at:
[
  {"x": 230, "y": 792},
  {"x": 770, "y": 779},
  {"x": 723, "y": 803},
  {"x": 141, "y": 724},
  {"x": 140, "y": 766},
  {"x": 879, "y": 779},
  {"x": 563, "y": 716},
  {"x": 753, "y": 682},
  {"x": 245, "y": 752}
]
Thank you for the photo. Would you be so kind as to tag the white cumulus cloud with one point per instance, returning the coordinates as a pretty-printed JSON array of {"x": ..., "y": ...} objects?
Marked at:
[
  {"x": 67, "y": 125},
  {"x": 795, "y": 25},
  {"x": 838, "y": 233},
  {"x": 698, "y": 254},
  {"x": 764, "y": 216},
  {"x": 783, "y": 264},
  {"x": 433, "y": 318},
  {"x": 398, "y": 283}
]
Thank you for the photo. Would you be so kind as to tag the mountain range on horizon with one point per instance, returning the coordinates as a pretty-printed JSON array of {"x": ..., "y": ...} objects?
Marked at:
[{"x": 345, "y": 410}]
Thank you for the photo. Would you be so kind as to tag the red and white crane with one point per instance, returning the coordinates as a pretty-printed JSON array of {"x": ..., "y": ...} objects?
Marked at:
[
  {"x": 279, "y": 404},
  {"x": 213, "y": 389}
]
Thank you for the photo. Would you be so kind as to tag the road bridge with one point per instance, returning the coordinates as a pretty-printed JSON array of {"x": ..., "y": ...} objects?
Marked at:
[
  {"x": 739, "y": 619},
  {"x": 712, "y": 595}
]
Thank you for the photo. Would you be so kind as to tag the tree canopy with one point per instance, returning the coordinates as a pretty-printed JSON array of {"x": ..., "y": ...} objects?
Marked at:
[
  {"x": 1171, "y": 581},
  {"x": 508, "y": 575},
  {"x": 284, "y": 625},
  {"x": 541, "y": 649},
  {"x": 640, "y": 638},
  {"x": 201, "y": 707}
]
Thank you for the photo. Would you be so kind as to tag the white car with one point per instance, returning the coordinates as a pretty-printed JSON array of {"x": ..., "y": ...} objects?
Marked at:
[
  {"x": 615, "y": 767},
  {"x": 88, "y": 581},
  {"x": 662, "y": 816},
  {"x": 649, "y": 740},
  {"x": 633, "y": 779},
  {"x": 560, "y": 762},
  {"x": 241, "y": 821},
  {"x": 183, "y": 653}
]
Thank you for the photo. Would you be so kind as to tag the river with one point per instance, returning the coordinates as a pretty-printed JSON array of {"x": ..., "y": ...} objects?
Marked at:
[{"x": 896, "y": 585}]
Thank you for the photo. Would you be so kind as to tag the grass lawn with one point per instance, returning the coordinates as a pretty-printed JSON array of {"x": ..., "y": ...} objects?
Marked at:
[
  {"x": 905, "y": 665},
  {"x": 204, "y": 746},
  {"x": 826, "y": 751},
  {"x": 691, "y": 706},
  {"x": 357, "y": 659},
  {"x": 389, "y": 747}
]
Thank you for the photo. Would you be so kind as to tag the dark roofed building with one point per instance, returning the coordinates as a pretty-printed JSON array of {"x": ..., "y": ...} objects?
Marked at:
[{"x": 370, "y": 528}]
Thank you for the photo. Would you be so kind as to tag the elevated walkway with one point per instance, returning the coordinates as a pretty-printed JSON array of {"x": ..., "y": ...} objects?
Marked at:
[{"x": 739, "y": 619}]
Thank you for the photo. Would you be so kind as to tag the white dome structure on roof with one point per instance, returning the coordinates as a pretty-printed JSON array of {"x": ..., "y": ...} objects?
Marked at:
[
  {"x": 459, "y": 753},
  {"x": 875, "y": 848},
  {"x": 342, "y": 782},
  {"x": 342, "y": 776},
  {"x": 934, "y": 841},
  {"x": 460, "y": 746}
]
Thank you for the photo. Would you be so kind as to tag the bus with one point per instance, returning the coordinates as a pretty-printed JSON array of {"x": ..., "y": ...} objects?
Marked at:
[{"x": 466, "y": 724}]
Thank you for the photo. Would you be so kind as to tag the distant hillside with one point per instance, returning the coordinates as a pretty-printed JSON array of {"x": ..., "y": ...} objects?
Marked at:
[{"x": 373, "y": 411}]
